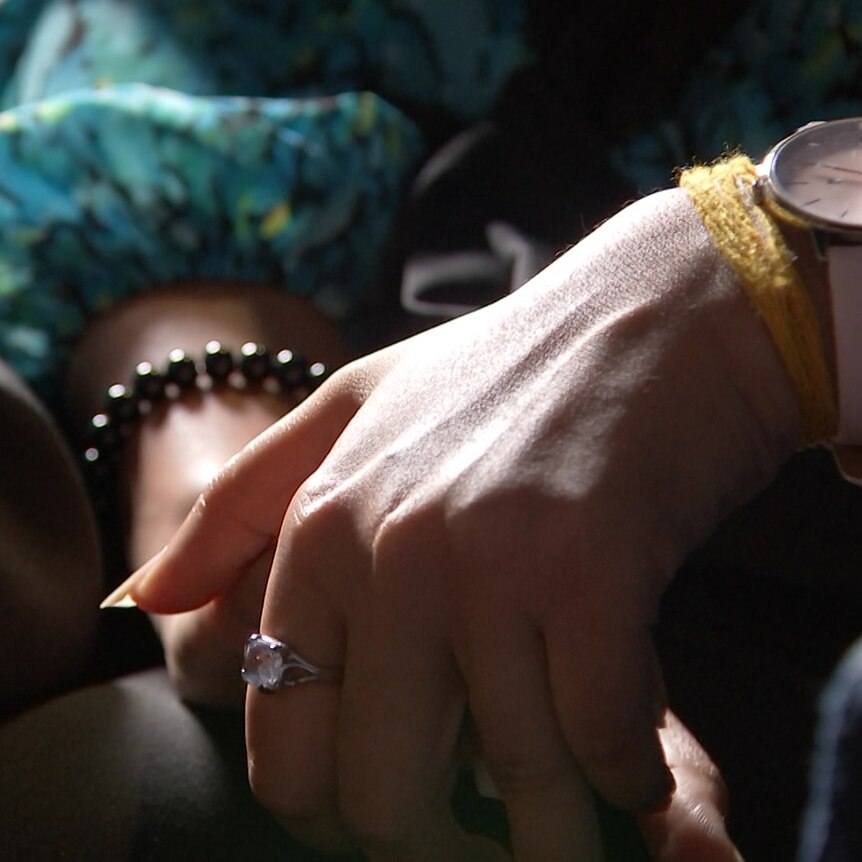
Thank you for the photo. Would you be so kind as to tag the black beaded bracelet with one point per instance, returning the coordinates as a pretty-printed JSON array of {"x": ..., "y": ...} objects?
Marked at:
[{"x": 255, "y": 369}]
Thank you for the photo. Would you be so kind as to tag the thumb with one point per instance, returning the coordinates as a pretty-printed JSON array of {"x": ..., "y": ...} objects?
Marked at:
[
  {"x": 691, "y": 828},
  {"x": 238, "y": 517}
]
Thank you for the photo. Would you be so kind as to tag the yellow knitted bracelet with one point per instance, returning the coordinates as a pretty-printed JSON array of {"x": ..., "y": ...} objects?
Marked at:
[{"x": 751, "y": 243}]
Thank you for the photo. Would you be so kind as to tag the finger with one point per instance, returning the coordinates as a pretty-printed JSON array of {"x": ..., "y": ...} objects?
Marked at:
[
  {"x": 603, "y": 679},
  {"x": 204, "y": 647},
  {"x": 401, "y": 712},
  {"x": 402, "y": 709},
  {"x": 240, "y": 514},
  {"x": 548, "y": 804},
  {"x": 692, "y": 828},
  {"x": 292, "y": 733}
]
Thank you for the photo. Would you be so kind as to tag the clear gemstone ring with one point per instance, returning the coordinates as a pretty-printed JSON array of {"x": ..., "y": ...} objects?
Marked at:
[{"x": 270, "y": 665}]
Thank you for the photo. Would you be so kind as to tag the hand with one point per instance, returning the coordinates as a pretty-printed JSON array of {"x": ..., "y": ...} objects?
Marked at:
[
  {"x": 203, "y": 647},
  {"x": 484, "y": 517},
  {"x": 691, "y": 828},
  {"x": 178, "y": 448},
  {"x": 177, "y": 451}
]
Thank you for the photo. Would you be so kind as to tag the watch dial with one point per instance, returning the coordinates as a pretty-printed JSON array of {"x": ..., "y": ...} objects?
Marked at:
[{"x": 817, "y": 173}]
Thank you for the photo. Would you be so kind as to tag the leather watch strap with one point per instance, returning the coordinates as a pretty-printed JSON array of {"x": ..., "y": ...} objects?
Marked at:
[{"x": 845, "y": 286}]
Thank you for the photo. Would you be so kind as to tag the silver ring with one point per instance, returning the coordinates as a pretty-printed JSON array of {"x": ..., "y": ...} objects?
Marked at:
[{"x": 270, "y": 664}]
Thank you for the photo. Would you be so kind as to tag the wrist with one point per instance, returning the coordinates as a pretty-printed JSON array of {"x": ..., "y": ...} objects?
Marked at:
[
  {"x": 749, "y": 357},
  {"x": 654, "y": 273},
  {"x": 742, "y": 220}
]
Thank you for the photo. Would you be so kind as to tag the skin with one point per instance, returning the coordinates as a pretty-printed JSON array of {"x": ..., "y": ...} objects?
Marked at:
[
  {"x": 485, "y": 516},
  {"x": 177, "y": 449}
]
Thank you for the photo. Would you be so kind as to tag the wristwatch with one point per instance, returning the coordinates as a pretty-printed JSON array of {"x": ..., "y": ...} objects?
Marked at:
[{"x": 815, "y": 178}]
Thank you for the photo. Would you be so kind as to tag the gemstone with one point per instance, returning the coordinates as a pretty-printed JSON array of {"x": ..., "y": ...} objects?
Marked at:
[{"x": 264, "y": 662}]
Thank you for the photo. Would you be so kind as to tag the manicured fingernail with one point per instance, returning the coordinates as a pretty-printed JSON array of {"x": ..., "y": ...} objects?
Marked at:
[{"x": 121, "y": 596}]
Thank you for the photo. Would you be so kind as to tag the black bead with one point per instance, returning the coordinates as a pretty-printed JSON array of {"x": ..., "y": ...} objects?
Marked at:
[
  {"x": 121, "y": 405},
  {"x": 97, "y": 463},
  {"x": 107, "y": 431},
  {"x": 289, "y": 369},
  {"x": 218, "y": 361},
  {"x": 254, "y": 363},
  {"x": 148, "y": 384},
  {"x": 181, "y": 369},
  {"x": 103, "y": 435}
]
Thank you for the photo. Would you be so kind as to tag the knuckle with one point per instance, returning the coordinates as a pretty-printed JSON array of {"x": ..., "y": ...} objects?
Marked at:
[
  {"x": 516, "y": 776},
  {"x": 348, "y": 386},
  {"x": 318, "y": 514},
  {"x": 320, "y": 500},
  {"x": 407, "y": 530}
]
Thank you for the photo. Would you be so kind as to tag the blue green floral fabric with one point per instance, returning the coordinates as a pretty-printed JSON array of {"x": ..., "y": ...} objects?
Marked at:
[
  {"x": 107, "y": 192},
  {"x": 148, "y": 142},
  {"x": 450, "y": 55},
  {"x": 782, "y": 65}
]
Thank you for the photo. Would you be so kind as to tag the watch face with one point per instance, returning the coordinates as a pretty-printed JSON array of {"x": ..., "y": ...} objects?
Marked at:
[{"x": 817, "y": 173}]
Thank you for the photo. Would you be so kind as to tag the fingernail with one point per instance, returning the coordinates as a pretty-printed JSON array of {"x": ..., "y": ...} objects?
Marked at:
[{"x": 121, "y": 597}]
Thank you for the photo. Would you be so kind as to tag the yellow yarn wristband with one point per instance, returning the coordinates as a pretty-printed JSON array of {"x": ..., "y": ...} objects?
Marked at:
[{"x": 749, "y": 240}]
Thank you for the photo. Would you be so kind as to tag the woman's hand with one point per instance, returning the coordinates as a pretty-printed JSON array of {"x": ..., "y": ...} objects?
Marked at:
[
  {"x": 485, "y": 517},
  {"x": 691, "y": 828},
  {"x": 180, "y": 446}
]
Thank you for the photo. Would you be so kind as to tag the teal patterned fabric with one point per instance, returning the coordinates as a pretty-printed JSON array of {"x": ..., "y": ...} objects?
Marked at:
[
  {"x": 107, "y": 192},
  {"x": 446, "y": 55},
  {"x": 785, "y": 63},
  {"x": 148, "y": 142}
]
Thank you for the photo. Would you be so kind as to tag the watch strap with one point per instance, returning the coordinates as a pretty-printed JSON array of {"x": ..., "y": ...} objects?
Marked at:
[
  {"x": 747, "y": 236},
  {"x": 845, "y": 288}
]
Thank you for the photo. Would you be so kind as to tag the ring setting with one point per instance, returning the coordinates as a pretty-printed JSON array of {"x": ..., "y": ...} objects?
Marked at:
[{"x": 270, "y": 664}]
